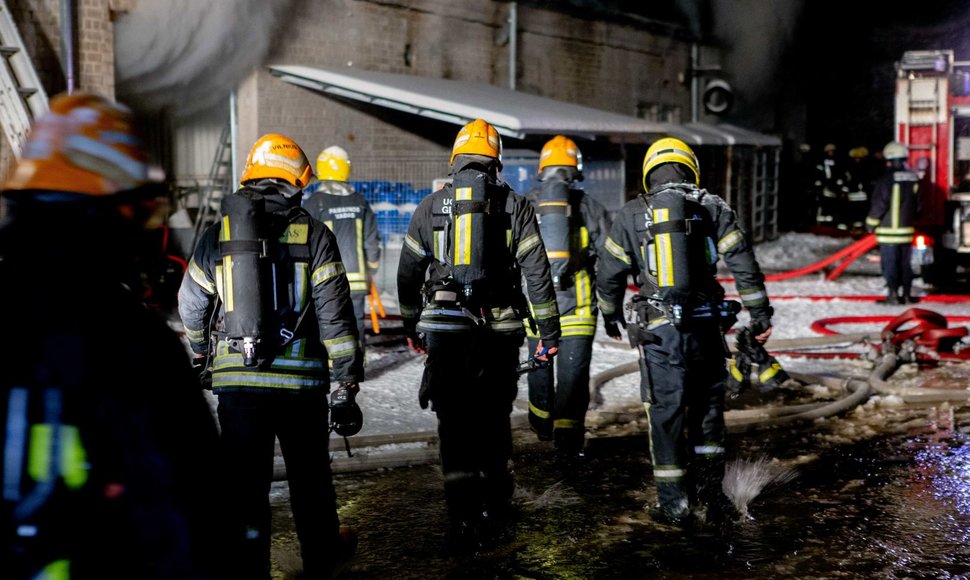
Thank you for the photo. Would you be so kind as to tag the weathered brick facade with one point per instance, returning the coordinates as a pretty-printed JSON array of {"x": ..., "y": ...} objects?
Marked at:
[{"x": 604, "y": 65}]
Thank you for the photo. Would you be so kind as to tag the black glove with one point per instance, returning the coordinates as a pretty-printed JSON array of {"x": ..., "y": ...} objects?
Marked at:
[
  {"x": 759, "y": 325},
  {"x": 345, "y": 415},
  {"x": 612, "y": 324}
]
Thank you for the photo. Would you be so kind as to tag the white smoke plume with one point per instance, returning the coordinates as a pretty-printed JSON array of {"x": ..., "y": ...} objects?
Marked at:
[{"x": 187, "y": 55}]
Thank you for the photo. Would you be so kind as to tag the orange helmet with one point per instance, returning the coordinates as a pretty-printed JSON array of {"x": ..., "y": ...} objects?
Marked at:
[
  {"x": 276, "y": 156},
  {"x": 86, "y": 145},
  {"x": 477, "y": 138},
  {"x": 560, "y": 150}
]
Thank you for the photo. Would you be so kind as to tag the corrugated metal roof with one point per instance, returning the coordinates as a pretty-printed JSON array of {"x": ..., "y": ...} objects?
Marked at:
[{"x": 513, "y": 113}]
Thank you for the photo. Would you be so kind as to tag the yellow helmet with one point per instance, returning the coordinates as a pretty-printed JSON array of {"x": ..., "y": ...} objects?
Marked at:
[
  {"x": 85, "y": 144},
  {"x": 279, "y": 157},
  {"x": 477, "y": 138},
  {"x": 670, "y": 150},
  {"x": 560, "y": 150},
  {"x": 333, "y": 164}
]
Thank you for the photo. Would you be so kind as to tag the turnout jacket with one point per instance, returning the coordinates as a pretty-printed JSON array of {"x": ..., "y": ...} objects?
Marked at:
[
  {"x": 578, "y": 304},
  {"x": 352, "y": 221},
  {"x": 428, "y": 247},
  {"x": 895, "y": 206},
  {"x": 329, "y": 330},
  {"x": 625, "y": 246}
]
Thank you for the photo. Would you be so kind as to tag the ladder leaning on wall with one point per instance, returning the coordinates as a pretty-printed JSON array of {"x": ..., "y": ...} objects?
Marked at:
[{"x": 22, "y": 97}]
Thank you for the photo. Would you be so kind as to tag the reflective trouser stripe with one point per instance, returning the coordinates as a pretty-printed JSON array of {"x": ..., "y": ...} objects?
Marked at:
[
  {"x": 538, "y": 412},
  {"x": 709, "y": 449},
  {"x": 565, "y": 424},
  {"x": 668, "y": 473}
]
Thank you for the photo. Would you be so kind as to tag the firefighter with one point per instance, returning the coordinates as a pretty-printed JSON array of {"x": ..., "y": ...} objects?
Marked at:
[
  {"x": 475, "y": 239},
  {"x": 859, "y": 179},
  {"x": 279, "y": 324},
  {"x": 896, "y": 204},
  {"x": 573, "y": 226},
  {"x": 333, "y": 201},
  {"x": 107, "y": 439},
  {"x": 829, "y": 187},
  {"x": 669, "y": 239}
]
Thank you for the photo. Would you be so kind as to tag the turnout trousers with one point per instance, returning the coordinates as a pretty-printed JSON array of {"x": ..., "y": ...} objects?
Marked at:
[
  {"x": 896, "y": 269},
  {"x": 559, "y": 397},
  {"x": 682, "y": 385},
  {"x": 473, "y": 382},
  {"x": 250, "y": 422}
]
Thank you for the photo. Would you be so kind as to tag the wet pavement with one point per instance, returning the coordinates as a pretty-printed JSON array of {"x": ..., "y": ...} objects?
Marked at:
[{"x": 883, "y": 493}]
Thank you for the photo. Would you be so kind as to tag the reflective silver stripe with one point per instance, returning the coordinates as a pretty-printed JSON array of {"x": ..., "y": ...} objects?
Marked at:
[
  {"x": 545, "y": 310},
  {"x": 857, "y": 196},
  {"x": 606, "y": 305},
  {"x": 506, "y": 326},
  {"x": 453, "y": 476},
  {"x": 200, "y": 278},
  {"x": 729, "y": 241},
  {"x": 443, "y": 312},
  {"x": 872, "y": 221},
  {"x": 899, "y": 230},
  {"x": 616, "y": 250},
  {"x": 415, "y": 247},
  {"x": 442, "y": 327},
  {"x": 194, "y": 335},
  {"x": 668, "y": 472},
  {"x": 326, "y": 272},
  {"x": 356, "y": 276},
  {"x": 341, "y": 346},
  {"x": 751, "y": 297},
  {"x": 226, "y": 360},
  {"x": 708, "y": 450},
  {"x": 527, "y": 244},
  {"x": 275, "y": 381},
  {"x": 409, "y": 311}
]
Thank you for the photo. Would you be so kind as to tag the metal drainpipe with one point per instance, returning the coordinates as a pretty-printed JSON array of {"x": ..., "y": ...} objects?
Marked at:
[
  {"x": 233, "y": 136},
  {"x": 513, "y": 42},
  {"x": 67, "y": 42},
  {"x": 693, "y": 82}
]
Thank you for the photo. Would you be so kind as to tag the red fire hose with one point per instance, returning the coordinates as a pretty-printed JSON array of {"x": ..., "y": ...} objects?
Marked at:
[{"x": 844, "y": 257}]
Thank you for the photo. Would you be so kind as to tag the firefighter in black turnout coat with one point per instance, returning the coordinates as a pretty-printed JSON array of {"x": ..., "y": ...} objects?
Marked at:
[
  {"x": 459, "y": 285},
  {"x": 333, "y": 201},
  {"x": 896, "y": 204},
  {"x": 573, "y": 227},
  {"x": 670, "y": 239},
  {"x": 107, "y": 442},
  {"x": 284, "y": 313}
]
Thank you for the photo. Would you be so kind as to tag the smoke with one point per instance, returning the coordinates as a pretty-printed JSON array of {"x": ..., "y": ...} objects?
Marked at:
[
  {"x": 756, "y": 33},
  {"x": 189, "y": 54}
]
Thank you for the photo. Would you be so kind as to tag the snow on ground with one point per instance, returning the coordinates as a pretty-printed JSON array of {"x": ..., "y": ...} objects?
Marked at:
[{"x": 389, "y": 396}]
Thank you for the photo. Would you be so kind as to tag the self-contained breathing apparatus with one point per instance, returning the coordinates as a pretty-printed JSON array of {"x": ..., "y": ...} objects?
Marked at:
[
  {"x": 559, "y": 224},
  {"x": 256, "y": 250}
]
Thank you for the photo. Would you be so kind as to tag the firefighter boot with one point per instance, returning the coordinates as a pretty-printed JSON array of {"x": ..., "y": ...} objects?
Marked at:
[
  {"x": 673, "y": 507},
  {"x": 713, "y": 506},
  {"x": 569, "y": 444}
]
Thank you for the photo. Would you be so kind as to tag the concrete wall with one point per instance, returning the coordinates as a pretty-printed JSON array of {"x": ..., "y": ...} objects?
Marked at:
[{"x": 604, "y": 65}]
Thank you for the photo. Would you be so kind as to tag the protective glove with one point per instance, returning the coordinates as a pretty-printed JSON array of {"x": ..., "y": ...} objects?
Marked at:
[
  {"x": 414, "y": 338},
  {"x": 612, "y": 324},
  {"x": 345, "y": 415}
]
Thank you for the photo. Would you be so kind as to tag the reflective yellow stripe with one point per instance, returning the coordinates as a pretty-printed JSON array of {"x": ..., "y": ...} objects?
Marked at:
[
  {"x": 557, "y": 254},
  {"x": 538, "y": 412},
  {"x": 769, "y": 373},
  {"x": 565, "y": 424},
  {"x": 616, "y": 251},
  {"x": 413, "y": 245},
  {"x": 463, "y": 230},
  {"x": 872, "y": 221},
  {"x": 545, "y": 310},
  {"x": 326, "y": 272},
  {"x": 583, "y": 293},
  {"x": 227, "y": 283},
  {"x": 665, "y": 251},
  {"x": 361, "y": 262},
  {"x": 527, "y": 244},
  {"x": 583, "y": 237},
  {"x": 894, "y": 207},
  {"x": 194, "y": 335},
  {"x": 199, "y": 276},
  {"x": 554, "y": 203},
  {"x": 57, "y": 570},
  {"x": 733, "y": 238},
  {"x": 733, "y": 367},
  {"x": 341, "y": 346},
  {"x": 72, "y": 461},
  {"x": 224, "y": 233}
]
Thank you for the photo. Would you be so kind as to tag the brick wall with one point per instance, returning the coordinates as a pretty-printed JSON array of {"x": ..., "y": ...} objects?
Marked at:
[{"x": 607, "y": 66}]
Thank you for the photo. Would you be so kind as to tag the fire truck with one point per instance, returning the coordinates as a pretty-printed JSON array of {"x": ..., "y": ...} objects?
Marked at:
[{"x": 932, "y": 117}]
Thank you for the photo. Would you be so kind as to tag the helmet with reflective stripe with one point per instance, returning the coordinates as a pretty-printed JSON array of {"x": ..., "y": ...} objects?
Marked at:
[
  {"x": 895, "y": 150},
  {"x": 85, "y": 144},
  {"x": 670, "y": 150},
  {"x": 560, "y": 150},
  {"x": 477, "y": 138},
  {"x": 333, "y": 164},
  {"x": 276, "y": 156}
]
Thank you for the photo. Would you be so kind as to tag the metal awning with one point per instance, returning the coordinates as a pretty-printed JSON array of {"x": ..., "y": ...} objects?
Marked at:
[{"x": 513, "y": 113}]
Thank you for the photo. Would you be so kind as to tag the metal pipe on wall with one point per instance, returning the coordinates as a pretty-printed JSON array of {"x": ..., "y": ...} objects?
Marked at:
[
  {"x": 233, "y": 136},
  {"x": 694, "y": 81},
  {"x": 67, "y": 43},
  {"x": 513, "y": 43}
]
